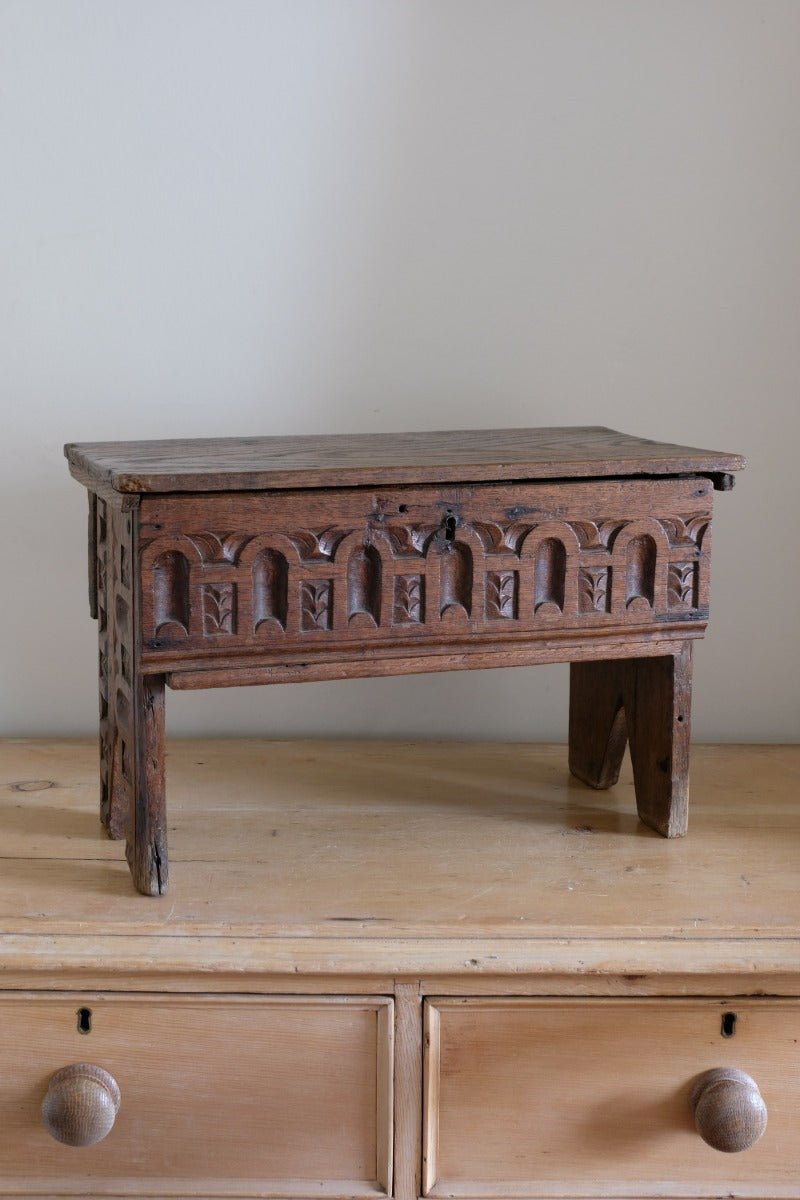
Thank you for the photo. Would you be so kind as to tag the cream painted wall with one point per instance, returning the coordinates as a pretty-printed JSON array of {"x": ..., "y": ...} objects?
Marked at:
[{"x": 274, "y": 216}]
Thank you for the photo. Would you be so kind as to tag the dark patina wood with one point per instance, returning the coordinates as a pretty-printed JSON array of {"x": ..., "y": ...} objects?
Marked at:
[
  {"x": 372, "y": 459},
  {"x": 646, "y": 703},
  {"x": 270, "y": 560}
]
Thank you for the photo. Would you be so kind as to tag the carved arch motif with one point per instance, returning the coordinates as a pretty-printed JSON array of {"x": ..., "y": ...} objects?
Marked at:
[
  {"x": 277, "y": 588},
  {"x": 551, "y": 551},
  {"x": 639, "y": 568}
]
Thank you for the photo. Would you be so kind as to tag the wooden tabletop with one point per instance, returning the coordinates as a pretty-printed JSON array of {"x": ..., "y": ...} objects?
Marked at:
[
  {"x": 312, "y": 859},
  {"x": 348, "y": 460}
]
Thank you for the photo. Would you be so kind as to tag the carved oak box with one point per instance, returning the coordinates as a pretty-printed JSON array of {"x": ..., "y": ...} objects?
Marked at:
[{"x": 269, "y": 560}]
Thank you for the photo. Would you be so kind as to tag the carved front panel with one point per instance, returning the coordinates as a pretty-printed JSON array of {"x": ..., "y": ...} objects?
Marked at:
[{"x": 281, "y": 571}]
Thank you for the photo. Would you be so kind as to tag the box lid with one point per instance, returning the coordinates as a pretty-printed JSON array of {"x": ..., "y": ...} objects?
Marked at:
[{"x": 375, "y": 459}]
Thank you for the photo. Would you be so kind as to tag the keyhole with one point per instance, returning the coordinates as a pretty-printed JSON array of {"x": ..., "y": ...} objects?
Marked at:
[
  {"x": 450, "y": 529},
  {"x": 728, "y": 1024},
  {"x": 84, "y": 1020}
]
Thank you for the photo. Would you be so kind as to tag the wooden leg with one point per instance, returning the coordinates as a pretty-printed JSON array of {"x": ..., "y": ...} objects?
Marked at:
[
  {"x": 114, "y": 787},
  {"x": 147, "y": 833},
  {"x": 648, "y": 702},
  {"x": 597, "y": 731},
  {"x": 658, "y": 698},
  {"x": 113, "y": 633}
]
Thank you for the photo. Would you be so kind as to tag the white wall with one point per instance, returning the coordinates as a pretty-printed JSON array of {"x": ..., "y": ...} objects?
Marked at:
[{"x": 275, "y": 216}]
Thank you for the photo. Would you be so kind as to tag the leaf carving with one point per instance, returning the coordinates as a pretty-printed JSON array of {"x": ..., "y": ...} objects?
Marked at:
[
  {"x": 408, "y": 599},
  {"x": 491, "y": 535},
  {"x": 401, "y": 541},
  {"x": 593, "y": 589},
  {"x": 218, "y": 608},
  {"x": 315, "y": 603},
  {"x": 501, "y": 590},
  {"x": 595, "y": 535},
  {"x": 219, "y": 547},
  {"x": 686, "y": 531},
  {"x": 422, "y": 535},
  {"x": 313, "y": 546},
  {"x": 680, "y": 585}
]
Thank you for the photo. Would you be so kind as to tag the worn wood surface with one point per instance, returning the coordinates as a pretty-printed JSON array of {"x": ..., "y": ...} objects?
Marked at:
[
  {"x": 147, "y": 847},
  {"x": 233, "y": 464},
  {"x": 348, "y": 910},
  {"x": 267, "y": 560},
  {"x": 408, "y": 1091},
  {"x": 251, "y": 579},
  {"x": 645, "y": 702},
  {"x": 220, "y": 1096},
  {"x": 484, "y": 864},
  {"x": 559, "y": 1098},
  {"x": 219, "y": 590}
]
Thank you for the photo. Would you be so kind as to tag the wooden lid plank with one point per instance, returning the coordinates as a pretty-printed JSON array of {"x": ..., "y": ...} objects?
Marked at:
[{"x": 379, "y": 459}]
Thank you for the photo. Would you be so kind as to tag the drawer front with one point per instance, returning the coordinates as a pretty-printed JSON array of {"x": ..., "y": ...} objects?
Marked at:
[
  {"x": 280, "y": 573},
  {"x": 591, "y": 1098},
  {"x": 220, "y": 1096}
]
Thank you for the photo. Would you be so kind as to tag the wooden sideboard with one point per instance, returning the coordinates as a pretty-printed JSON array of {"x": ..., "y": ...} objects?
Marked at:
[{"x": 400, "y": 970}]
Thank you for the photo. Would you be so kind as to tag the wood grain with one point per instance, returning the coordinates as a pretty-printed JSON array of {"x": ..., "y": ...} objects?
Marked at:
[
  {"x": 729, "y": 1110},
  {"x": 234, "y": 464},
  {"x": 408, "y": 1091},
  {"x": 580, "y": 1098},
  {"x": 484, "y": 863},
  {"x": 646, "y": 702},
  {"x": 245, "y": 580},
  {"x": 223, "y": 1097},
  {"x": 347, "y": 908},
  {"x": 81, "y": 1104},
  {"x": 269, "y": 560}
]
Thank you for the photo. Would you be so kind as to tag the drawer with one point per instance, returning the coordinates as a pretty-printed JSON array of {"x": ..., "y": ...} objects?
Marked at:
[
  {"x": 220, "y": 1096},
  {"x": 564, "y": 1098}
]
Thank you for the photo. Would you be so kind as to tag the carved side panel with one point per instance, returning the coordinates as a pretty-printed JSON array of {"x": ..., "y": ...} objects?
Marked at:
[
  {"x": 101, "y": 544},
  {"x": 115, "y": 611}
]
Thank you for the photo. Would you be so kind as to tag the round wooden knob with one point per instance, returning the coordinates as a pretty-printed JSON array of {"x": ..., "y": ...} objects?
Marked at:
[
  {"x": 81, "y": 1105},
  {"x": 729, "y": 1111}
]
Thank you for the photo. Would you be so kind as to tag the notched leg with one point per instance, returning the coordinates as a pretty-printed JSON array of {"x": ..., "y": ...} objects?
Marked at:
[
  {"x": 147, "y": 835},
  {"x": 597, "y": 728},
  {"x": 646, "y": 702},
  {"x": 658, "y": 699}
]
